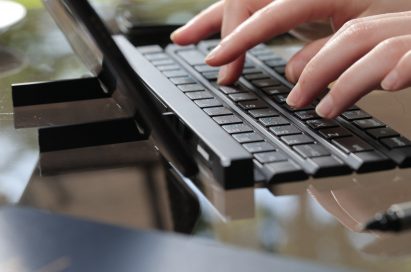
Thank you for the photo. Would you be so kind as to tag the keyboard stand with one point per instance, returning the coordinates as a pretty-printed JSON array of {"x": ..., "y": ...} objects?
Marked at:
[
  {"x": 79, "y": 126},
  {"x": 62, "y": 102}
]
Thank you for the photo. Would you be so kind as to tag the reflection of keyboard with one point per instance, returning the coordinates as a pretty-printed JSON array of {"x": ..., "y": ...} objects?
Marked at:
[{"x": 284, "y": 144}]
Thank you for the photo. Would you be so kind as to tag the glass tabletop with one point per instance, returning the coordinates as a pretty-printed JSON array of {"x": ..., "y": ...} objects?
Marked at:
[{"x": 315, "y": 220}]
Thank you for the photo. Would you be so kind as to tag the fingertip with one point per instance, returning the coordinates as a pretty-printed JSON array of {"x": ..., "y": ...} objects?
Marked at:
[
  {"x": 295, "y": 67},
  {"x": 326, "y": 107},
  {"x": 294, "y": 98},
  {"x": 174, "y": 35},
  {"x": 390, "y": 82},
  {"x": 227, "y": 76},
  {"x": 290, "y": 74}
]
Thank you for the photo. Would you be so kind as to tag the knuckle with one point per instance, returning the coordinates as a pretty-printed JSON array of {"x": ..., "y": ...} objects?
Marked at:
[
  {"x": 356, "y": 30},
  {"x": 392, "y": 46}
]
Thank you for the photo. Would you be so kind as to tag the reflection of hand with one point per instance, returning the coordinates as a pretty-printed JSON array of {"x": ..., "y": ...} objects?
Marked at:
[{"x": 245, "y": 23}]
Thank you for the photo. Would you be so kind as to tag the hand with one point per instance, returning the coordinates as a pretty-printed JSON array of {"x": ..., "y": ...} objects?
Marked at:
[
  {"x": 246, "y": 23},
  {"x": 365, "y": 54}
]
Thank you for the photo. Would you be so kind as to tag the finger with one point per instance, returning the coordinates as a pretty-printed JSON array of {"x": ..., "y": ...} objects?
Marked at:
[
  {"x": 340, "y": 53},
  {"x": 364, "y": 19},
  {"x": 364, "y": 76},
  {"x": 276, "y": 18},
  {"x": 205, "y": 24},
  {"x": 298, "y": 62},
  {"x": 400, "y": 77},
  {"x": 234, "y": 15}
]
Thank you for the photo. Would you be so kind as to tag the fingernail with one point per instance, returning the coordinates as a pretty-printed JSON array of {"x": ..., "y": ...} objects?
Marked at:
[
  {"x": 222, "y": 75},
  {"x": 294, "y": 97},
  {"x": 325, "y": 108},
  {"x": 175, "y": 33},
  {"x": 213, "y": 53},
  {"x": 390, "y": 81}
]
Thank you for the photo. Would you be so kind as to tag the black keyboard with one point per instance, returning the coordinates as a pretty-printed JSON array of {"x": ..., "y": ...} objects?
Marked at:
[{"x": 274, "y": 143}]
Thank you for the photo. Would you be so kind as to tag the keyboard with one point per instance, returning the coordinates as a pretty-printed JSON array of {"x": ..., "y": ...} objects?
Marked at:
[{"x": 246, "y": 133}]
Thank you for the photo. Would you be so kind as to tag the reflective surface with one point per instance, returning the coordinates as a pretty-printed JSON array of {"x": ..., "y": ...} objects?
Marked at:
[{"x": 315, "y": 220}]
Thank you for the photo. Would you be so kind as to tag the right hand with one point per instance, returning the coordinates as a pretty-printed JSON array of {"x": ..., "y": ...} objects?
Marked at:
[{"x": 246, "y": 23}]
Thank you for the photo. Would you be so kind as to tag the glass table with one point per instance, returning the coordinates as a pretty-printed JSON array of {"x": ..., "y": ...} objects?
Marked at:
[{"x": 315, "y": 220}]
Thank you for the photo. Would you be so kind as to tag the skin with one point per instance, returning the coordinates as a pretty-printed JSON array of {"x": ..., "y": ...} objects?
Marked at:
[{"x": 371, "y": 49}]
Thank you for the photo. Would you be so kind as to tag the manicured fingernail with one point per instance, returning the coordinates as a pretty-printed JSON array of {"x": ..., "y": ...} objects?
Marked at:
[
  {"x": 294, "y": 97},
  {"x": 325, "y": 108},
  {"x": 213, "y": 54},
  {"x": 390, "y": 81},
  {"x": 222, "y": 75}
]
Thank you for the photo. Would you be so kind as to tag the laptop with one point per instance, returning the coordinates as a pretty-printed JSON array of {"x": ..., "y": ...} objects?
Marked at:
[{"x": 243, "y": 134}]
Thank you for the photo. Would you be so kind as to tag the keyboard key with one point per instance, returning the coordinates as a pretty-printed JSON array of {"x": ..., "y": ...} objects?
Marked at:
[
  {"x": 330, "y": 166},
  {"x": 237, "y": 128},
  {"x": 370, "y": 161},
  {"x": 228, "y": 119},
  {"x": 191, "y": 87},
  {"x": 311, "y": 150},
  {"x": 368, "y": 123},
  {"x": 242, "y": 97},
  {"x": 262, "y": 83},
  {"x": 175, "y": 73},
  {"x": 259, "y": 147},
  {"x": 307, "y": 115},
  {"x": 199, "y": 95},
  {"x": 297, "y": 139},
  {"x": 251, "y": 105},
  {"x": 276, "y": 90},
  {"x": 322, "y": 123},
  {"x": 379, "y": 133},
  {"x": 263, "y": 113},
  {"x": 163, "y": 62},
  {"x": 273, "y": 156},
  {"x": 206, "y": 68},
  {"x": 212, "y": 76},
  {"x": 283, "y": 171},
  {"x": 156, "y": 56},
  {"x": 274, "y": 121},
  {"x": 355, "y": 115},
  {"x": 192, "y": 57},
  {"x": 352, "y": 144},
  {"x": 280, "y": 98},
  {"x": 233, "y": 89},
  {"x": 217, "y": 111},
  {"x": 276, "y": 62},
  {"x": 207, "y": 103},
  {"x": 337, "y": 132},
  {"x": 251, "y": 71},
  {"x": 248, "y": 137},
  {"x": 168, "y": 67},
  {"x": 280, "y": 69},
  {"x": 285, "y": 130},
  {"x": 396, "y": 142},
  {"x": 307, "y": 108},
  {"x": 248, "y": 64},
  {"x": 256, "y": 76},
  {"x": 182, "y": 80}
]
